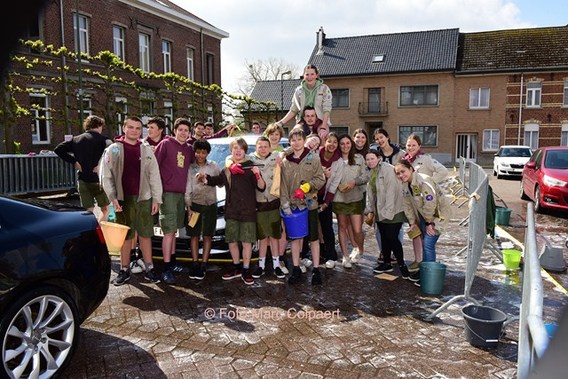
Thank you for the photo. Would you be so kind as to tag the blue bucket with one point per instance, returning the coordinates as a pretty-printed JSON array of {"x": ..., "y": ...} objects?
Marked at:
[
  {"x": 296, "y": 223},
  {"x": 432, "y": 276}
]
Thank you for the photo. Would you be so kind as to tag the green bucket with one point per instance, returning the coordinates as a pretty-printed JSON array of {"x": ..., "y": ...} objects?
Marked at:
[
  {"x": 432, "y": 275},
  {"x": 512, "y": 259},
  {"x": 502, "y": 216}
]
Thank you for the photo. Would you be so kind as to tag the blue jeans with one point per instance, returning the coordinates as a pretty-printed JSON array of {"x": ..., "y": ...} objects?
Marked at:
[{"x": 428, "y": 243}]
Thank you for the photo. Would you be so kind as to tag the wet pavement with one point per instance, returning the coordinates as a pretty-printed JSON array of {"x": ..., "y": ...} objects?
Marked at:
[{"x": 353, "y": 326}]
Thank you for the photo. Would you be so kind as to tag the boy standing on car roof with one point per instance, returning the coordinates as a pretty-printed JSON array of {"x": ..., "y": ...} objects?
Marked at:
[
  {"x": 131, "y": 179},
  {"x": 241, "y": 180},
  {"x": 174, "y": 156},
  {"x": 201, "y": 200}
]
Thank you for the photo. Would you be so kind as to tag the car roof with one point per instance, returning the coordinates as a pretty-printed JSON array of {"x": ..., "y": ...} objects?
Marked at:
[
  {"x": 249, "y": 138},
  {"x": 553, "y": 148},
  {"x": 515, "y": 146}
]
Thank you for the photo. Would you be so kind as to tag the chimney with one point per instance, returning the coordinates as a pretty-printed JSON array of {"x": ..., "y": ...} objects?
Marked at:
[{"x": 320, "y": 39}]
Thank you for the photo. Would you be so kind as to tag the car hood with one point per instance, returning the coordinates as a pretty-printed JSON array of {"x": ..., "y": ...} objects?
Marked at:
[
  {"x": 514, "y": 160},
  {"x": 557, "y": 173}
]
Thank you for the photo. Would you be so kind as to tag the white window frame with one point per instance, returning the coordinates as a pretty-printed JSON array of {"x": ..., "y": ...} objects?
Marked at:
[
  {"x": 531, "y": 135},
  {"x": 87, "y": 106},
  {"x": 144, "y": 51},
  {"x": 118, "y": 34},
  {"x": 122, "y": 110},
  {"x": 491, "y": 138},
  {"x": 147, "y": 103},
  {"x": 565, "y": 103},
  {"x": 167, "y": 55},
  {"x": 41, "y": 119},
  {"x": 169, "y": 114},
  {"x": 534, "y": 94},
  {"x": 190, "y": 63},
  {"x": 419, "y": 96},
  {"x": 564, "y": 135},
  {"x": 82, "y": 44},
  {"x": 479, "y": 98}
]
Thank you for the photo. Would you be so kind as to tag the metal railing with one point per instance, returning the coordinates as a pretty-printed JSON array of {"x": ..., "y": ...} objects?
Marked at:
[
  {"x": 533, "y": 337},
  {"x": 43, "y": 173}
]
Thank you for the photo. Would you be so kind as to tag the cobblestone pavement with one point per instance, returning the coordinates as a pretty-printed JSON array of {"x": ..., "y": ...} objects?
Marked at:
[{"x": 362, "y": 326}]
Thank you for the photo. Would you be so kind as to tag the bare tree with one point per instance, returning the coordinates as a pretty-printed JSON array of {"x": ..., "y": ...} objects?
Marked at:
[{"x": 269, "y": 69}]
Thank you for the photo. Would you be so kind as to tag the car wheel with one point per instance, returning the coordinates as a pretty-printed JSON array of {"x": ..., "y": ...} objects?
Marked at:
[
  {"x": 494, "y": 172},
  {"x": 537, "y": 205},
  {"x": 523, "y": 195},
  {"x": 39, "y": 333}
]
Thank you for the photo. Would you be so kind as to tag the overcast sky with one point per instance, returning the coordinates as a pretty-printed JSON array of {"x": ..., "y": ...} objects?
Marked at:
[{"x": 261, "y": 29}]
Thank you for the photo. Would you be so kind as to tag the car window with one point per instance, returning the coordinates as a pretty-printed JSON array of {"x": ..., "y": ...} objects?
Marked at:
[{"x": 556, "y": 159}]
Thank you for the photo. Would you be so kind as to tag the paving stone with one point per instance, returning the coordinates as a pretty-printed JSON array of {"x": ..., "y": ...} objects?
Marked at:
[{"x": 378, "y": 331}]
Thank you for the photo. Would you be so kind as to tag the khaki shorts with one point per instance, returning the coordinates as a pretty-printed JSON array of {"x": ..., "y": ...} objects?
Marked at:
[
  {"x": 88, "y": 192},
  {"x": 137, "y": 215},
  {"x": 172, "y": 212},
  {"x": 268, "y": 224},
  {"x": 207, "y": 221},
  {"x": 237, "y": 231},
  {"x": 348, "y": 208}
]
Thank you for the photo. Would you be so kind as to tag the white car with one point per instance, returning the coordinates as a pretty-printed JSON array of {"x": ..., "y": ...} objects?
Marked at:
[{"x": 510, "y": 160}]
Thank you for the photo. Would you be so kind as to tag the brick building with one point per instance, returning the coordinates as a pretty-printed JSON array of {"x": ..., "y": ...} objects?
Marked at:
[
  {"x": 459, "y": 91},
  {"x": 150, "y": 36}
]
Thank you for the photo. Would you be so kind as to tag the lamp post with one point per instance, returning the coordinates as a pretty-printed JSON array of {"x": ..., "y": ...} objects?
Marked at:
[{"x": 282, "y": 88}]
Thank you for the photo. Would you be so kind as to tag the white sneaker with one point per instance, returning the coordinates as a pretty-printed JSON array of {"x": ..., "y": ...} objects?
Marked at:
[
  {"x": 355, "y": 255},
  {"x": 137, "y": 266},
  {"x": 303, "y": 268},
  {"x": 307, "y": 262},
  {"x": 284, "y": 268},
  {"x": 330, "y": 264},
  {"x": 347, "y": 263}
]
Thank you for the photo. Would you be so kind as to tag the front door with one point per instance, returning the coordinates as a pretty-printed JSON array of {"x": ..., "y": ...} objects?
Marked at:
[{"x": 466, "y": 146}]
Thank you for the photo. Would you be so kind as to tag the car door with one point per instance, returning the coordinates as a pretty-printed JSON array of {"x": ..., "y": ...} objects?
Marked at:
[{"x": 530, "y": 179}]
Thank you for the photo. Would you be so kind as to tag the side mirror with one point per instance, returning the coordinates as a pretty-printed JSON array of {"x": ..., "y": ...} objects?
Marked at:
[{"x": 531, "y": 165}]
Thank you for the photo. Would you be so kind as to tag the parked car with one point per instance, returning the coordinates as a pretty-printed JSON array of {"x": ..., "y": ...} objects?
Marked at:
[
  {"x": 545, "y": 179},
  {"x": 54, "y": 272},
  {"x": 219, "y": 152},
  {"x": 510, "y": 160}
]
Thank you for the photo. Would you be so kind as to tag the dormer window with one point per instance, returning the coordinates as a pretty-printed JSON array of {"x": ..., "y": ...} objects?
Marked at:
[{"x": 378, "y": 58}]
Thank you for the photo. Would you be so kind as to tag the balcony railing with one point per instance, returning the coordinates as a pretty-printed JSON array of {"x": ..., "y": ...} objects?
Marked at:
[
  {"x": 373, "y": 109},
  {"x": 23, "y": 174}
]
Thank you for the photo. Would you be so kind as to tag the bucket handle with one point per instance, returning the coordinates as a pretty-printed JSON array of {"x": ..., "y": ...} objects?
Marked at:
[{"x": 483, "y": 339}]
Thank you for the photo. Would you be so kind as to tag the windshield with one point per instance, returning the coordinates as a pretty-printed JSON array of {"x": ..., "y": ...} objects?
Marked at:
[
  {"x": 516, "y": 152},
  {"x": 218, "y": 153}
]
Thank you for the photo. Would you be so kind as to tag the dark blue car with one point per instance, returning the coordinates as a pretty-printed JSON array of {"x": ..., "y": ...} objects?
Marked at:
[{"x": 54, "y": 272}]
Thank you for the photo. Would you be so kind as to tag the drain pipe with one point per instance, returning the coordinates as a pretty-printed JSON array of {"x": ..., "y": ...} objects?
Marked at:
[
  {"x": 64, "y": 73},
  {"x": 520, "y": 110}
]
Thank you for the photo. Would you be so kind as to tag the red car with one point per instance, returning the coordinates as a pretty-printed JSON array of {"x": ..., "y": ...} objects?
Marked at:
[{"x": 545, "y": 178}]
